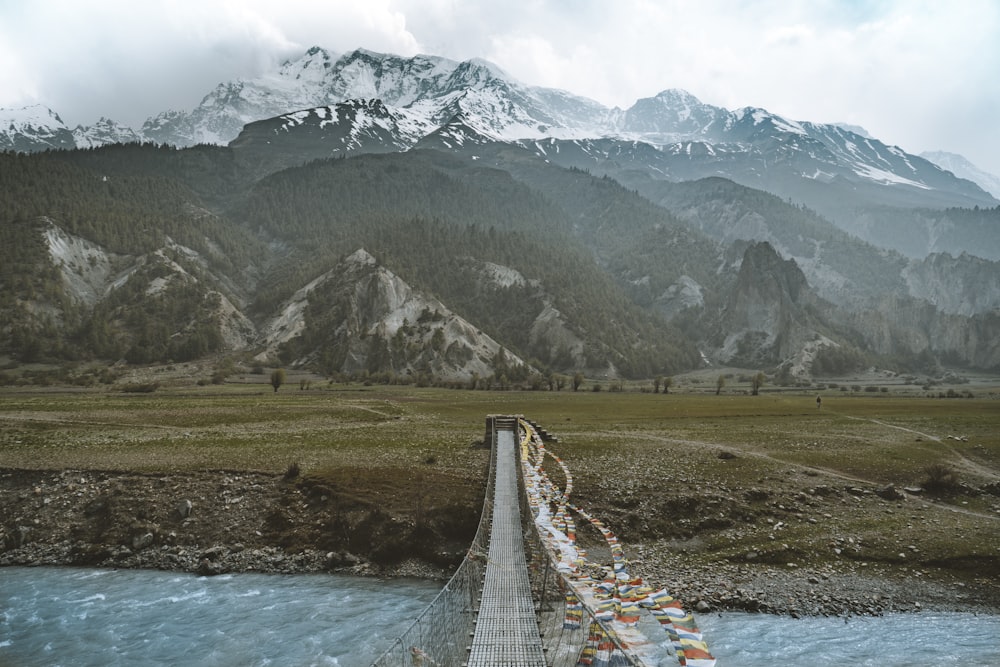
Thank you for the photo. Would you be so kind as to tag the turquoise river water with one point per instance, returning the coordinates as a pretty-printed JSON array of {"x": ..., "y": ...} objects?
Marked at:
[{"x": 71, "y": 617}]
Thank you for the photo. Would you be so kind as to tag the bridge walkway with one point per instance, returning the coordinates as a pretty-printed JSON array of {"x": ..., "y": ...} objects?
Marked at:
[{"x": 506, "y": 632}]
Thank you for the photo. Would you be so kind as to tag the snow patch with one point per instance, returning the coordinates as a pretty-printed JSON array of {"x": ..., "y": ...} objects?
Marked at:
[{"x": 886, "y": 177}]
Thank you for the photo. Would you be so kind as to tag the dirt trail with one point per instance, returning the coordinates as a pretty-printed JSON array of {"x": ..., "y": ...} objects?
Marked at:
[
  {"x": 971, "y": 466},
  {"x": 48, "y": 418},
  {"x": 966, "y": 464}
]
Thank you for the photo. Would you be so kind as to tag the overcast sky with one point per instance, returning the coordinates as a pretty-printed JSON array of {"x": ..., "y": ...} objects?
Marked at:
[{"x": 920, "y": 74}]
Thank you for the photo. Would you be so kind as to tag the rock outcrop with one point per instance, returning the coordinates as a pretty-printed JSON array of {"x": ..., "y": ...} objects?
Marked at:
[
  {"x": 360, "y": 316},
  {"x": 768, "y": 317}
]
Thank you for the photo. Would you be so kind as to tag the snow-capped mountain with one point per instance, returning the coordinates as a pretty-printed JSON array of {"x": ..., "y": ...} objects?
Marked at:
[
  {"x": 104, "y": 131},
  {"x": 324, "y": 104},
  {"x": 962, "y": 168},
  {"x": 432, "y": 87},
  {"x": 354, "y": 126},
  {"x": 672, "y": 116},
  {"x": 33, "y": 128}
]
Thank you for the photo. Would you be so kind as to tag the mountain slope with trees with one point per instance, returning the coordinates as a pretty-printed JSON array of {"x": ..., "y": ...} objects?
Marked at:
[{"x": 147, "y": 253}]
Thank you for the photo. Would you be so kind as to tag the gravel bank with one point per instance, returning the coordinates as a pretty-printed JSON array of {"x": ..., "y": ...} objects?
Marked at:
[{"x": 215, "y": 522}]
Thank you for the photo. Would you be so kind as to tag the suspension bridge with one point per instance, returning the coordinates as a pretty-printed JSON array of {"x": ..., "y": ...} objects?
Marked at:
[{"x": 526, "y": 593}]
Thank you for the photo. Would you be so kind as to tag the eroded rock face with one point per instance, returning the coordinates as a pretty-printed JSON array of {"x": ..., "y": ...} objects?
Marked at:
[
  {"x": 965, "y": 285},
  {"x": 901, "y": 325},
  {"x": 365, "y": 317},
  {"x": 765, "y": 318}
]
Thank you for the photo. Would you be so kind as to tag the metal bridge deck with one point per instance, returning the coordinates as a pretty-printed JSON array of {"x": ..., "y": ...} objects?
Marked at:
[{"x": 507, "y": 629}]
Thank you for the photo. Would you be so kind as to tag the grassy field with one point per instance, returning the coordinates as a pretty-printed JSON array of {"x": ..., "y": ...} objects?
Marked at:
[
  {"x": 693, "y": 475},
  {"x": 878, "y": 438}
]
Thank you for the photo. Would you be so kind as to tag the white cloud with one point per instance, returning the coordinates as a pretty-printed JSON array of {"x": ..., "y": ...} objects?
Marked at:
[
  {"x": 17, "y": 81},
  {"x": 917, "y": 73}
]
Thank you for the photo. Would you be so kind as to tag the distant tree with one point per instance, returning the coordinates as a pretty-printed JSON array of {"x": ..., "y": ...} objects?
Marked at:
[
  {"x": 277, "y": 378},
  {"x": 719, "y": 384},
  {"x": 668, "y": 382},
  {"x": 757, "y": 382},
  {"x": 656, "y": 384},
  {"x": 577, "y": 380}
]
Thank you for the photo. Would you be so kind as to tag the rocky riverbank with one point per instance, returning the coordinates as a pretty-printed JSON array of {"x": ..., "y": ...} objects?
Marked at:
[
  {"x": 862, "y": 590},
  {"x": 214, "y": 522},
  {"x": 207, "y": 523}
]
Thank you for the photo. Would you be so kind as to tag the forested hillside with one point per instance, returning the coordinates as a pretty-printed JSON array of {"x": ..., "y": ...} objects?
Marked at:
[
  {"x": 430, "y": 217},
  {"x": 144, "y": 253}
]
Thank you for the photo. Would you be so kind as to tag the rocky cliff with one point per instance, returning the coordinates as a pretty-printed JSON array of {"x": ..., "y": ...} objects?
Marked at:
[
  {"x": 361, "y": 316},
  {"x": 770, "y": 315}
]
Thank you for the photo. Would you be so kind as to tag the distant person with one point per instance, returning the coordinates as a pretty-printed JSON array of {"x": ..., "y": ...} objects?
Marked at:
[{"x": 819, "y": 403}]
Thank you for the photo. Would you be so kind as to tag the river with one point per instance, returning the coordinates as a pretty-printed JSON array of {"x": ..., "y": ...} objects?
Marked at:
[{"x": 70, "y": 617}]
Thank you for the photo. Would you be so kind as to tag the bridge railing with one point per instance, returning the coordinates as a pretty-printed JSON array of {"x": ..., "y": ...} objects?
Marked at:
[
  {"x": 442, "y": 633},
  {"x": 564, "y": 642}
]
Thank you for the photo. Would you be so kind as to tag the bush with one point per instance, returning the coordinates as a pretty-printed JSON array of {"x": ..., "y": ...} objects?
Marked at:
[
  {"x": 140, "y": 387},
  {"x": 940, "y": 479}
]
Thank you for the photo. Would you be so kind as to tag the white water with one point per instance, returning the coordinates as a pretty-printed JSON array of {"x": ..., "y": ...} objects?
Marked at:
[
  {"x": 77, "y": 617},
  {"x": 70, "y": 617},
  {"x": 924, "y": 639}
]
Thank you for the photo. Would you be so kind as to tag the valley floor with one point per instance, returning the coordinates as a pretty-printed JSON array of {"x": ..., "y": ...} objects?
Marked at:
[{"x": 731, "y": 503}]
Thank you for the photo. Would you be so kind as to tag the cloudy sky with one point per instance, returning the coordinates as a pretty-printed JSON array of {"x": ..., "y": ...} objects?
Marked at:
[{"x": 920, "y": 74}]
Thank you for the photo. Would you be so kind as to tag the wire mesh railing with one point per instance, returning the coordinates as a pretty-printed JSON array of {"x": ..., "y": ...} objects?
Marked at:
[
  {"x": 571, "y": 634},
  {"x": 440, "y": 635}
]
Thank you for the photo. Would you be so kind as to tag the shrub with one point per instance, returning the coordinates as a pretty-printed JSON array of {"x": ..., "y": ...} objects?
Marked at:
[
  {"x": 940, "y": 479},
  {"x": 140, "y": 387}
]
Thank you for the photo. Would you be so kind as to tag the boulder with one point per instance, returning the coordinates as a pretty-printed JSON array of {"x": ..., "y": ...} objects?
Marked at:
[
  {"x": 184, "y": 508},
  {"x": 889, "y": 492}
]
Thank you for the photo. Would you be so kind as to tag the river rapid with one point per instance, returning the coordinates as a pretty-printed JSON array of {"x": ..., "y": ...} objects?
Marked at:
[{"x": 70, "y": 617}]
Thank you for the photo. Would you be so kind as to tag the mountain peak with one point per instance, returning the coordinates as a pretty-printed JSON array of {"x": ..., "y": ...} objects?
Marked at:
[
  {"x": 366, "y": 53},
  {"x": 677, "y": 96},
  {"x": 492, "y": 68},
  {"x": 361, "y": 256},
  {"x": 33, "y": 115},
  {"x": 759, "y": 117},
  {"x": 671, "y": 115},
  {"x": 316, "y": 60},
  {"x": 33, "y": 128},
  {"x": 963, "y": 168},
  {"x": 856, "y": 129}
]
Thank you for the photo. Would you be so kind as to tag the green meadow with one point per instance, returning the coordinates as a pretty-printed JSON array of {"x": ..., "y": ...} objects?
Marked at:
[{"x": 873, "y": 437}]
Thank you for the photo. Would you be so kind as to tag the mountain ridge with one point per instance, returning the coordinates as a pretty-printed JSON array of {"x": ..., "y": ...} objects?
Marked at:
[
  {"x": 687, "y": 234},
  {"x": 502, "y": 108}
]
